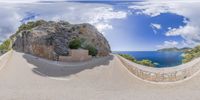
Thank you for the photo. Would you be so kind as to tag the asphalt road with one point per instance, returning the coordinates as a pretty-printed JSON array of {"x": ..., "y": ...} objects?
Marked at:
[{"x": 25, "y": 77}]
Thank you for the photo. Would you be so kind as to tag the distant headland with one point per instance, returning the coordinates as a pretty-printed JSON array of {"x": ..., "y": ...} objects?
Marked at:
[{"x": 184, "y": 49}]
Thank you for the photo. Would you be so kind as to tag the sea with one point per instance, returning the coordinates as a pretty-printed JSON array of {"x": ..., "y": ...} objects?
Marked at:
[{"x": 159, "y": 58}]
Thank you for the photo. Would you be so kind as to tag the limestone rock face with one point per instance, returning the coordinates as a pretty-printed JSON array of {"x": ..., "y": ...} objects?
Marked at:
[{"x": 51, "y": 39}]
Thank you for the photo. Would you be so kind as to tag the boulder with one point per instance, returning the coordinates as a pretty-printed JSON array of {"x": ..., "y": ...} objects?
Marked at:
[{"x": 51, "y": 39}]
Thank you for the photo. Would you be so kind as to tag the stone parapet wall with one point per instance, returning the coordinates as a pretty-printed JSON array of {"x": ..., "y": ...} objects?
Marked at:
[{"x": 168, "y": 74}]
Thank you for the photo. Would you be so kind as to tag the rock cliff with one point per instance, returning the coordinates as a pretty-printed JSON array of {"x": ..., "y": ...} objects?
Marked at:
[{"x": 51, "y": 39}]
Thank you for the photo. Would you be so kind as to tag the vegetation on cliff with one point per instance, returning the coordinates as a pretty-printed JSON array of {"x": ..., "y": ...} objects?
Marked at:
[
  {"x": 75, "y": 43},
  {"x": 26, "y": 26},
  {"x": 5, "y": 46},
  {"x": 145, "y": 62},
  {"x": 80, "y": 43},
  {"x": 29, "y": 25},
  {"x": 191, "y": 54},
  {"x": 92, "y": 50},
  {"x": 128, "y": 57},
  {"x": 50, "y": 39}
]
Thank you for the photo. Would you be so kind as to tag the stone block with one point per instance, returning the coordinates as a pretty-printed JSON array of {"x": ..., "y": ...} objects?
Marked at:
[{"x": 76, "y": 55}]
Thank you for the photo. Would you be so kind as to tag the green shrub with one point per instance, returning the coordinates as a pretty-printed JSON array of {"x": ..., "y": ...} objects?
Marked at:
[
  {"x": 6, "y": 45},
  {"x": 81, "y": 43},
  {"x": 75, "y": 43},
  {"x": 29, "y": 25},
  {"x": 191, "y": 54},
  {"x": 146, "y": 62},
  {"x": 188, "y": 57},
  {"x": 128, "y": 57},
  {"x": 92, "y": 50}
]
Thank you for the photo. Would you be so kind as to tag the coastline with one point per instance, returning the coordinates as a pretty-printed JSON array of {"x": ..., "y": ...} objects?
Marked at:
[
  {"x": 162, "y": 59},
  {"x": 163, "y": 75}
]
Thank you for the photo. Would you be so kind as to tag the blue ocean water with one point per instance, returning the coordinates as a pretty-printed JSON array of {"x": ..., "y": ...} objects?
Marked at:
[{"x": 163, "y": 59}]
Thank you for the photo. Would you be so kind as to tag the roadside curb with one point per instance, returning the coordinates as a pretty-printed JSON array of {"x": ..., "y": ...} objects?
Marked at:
[{"x": 9, "y": 54}]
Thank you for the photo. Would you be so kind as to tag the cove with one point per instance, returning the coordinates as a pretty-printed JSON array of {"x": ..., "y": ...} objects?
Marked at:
[{"x": 160, "y": 59}]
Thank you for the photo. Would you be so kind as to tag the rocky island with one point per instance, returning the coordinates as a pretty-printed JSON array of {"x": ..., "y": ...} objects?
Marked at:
[{"x": 49, "y": 39}]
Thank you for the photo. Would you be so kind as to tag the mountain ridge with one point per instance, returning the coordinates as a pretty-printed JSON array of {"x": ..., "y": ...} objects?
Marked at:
[{"x": 184, "y": 49}]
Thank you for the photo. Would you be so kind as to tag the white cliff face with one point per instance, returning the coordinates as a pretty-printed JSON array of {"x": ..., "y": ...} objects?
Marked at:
[{"x": 51, "y": 39}]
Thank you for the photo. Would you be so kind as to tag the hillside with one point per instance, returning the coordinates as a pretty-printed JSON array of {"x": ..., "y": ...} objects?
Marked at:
[
  {"x": 175, "y": 49},
  {"x": 191, "y": 54},
  {"x": 49, "y": 39}
]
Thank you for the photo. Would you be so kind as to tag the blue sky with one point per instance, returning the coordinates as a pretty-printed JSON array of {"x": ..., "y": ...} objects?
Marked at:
[
  {"x": 128, "y": 26},
  {"x": 138, "y": 33}
]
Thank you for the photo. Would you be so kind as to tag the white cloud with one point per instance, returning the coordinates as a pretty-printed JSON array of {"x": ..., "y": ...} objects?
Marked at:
[
  {"x": 99, "y": 15},
  {"x": 190, "y": 32},
  {"x": 184, "y": 30},
  {"x": 95, "y": 14},
  {"x": 9, "y": 21},
  {"x": 25, "y": 1},
  {"x": 155, "y": 27},
  {"x": 101, "y": 26},
  {"x": 168, "y": 44}
]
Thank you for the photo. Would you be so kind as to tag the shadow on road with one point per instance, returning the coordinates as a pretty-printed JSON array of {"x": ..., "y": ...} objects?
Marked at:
[{"x": 53, "y": 70}]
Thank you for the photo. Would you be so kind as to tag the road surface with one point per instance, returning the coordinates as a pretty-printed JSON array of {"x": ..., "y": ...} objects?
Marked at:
[{"x": 25, "y": 77}]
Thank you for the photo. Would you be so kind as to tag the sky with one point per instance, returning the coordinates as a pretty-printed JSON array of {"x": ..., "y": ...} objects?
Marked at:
[{"x": 128, "y": 26}]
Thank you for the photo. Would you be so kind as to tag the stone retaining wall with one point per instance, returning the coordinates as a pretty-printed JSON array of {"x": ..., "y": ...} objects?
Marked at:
[
  {"x": 76, "y": 55},
  {"x": 170, "y": 74}
]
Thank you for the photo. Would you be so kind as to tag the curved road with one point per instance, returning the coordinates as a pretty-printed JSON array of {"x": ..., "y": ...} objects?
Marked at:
[{"x": 25, "y": 77}]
